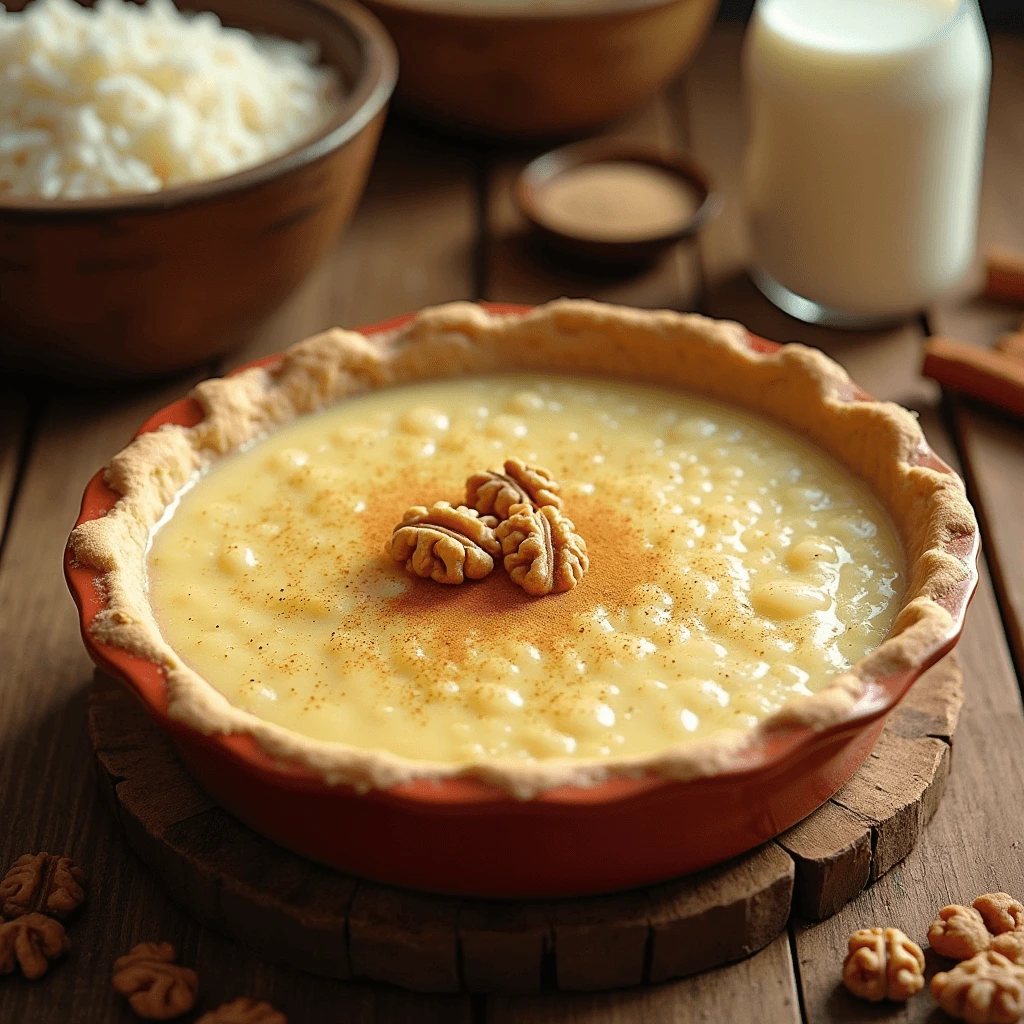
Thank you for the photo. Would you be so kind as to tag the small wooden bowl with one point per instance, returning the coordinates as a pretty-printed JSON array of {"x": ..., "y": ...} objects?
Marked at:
[
  {"x": 641, "y": 248},
  {"x": 529, "y": 69},
  {"x": 150, "y": 283}
]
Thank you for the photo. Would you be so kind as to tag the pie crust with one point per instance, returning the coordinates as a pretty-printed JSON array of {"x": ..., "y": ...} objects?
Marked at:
[{"x": 879, "y": 442}]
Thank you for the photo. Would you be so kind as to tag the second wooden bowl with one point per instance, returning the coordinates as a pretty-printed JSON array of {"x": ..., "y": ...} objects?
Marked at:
[
  {"x": 538, "y": 68},
  {"x": 150, "y": 283}
]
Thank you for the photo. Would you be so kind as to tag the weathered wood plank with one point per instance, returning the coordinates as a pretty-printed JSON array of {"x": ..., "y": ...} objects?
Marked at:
[
  {"x": 993, "y": 444},
  {"x": 761, "y": 988},
  {"x": 395, "y": 257},
  {"x": 729, "y": 912},
  {"x": 832, "y": 852},
  {"x": 14, "y": 423}
]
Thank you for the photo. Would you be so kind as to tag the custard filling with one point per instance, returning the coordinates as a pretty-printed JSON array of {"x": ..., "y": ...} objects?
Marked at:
[{"x": 732, "y": 567}]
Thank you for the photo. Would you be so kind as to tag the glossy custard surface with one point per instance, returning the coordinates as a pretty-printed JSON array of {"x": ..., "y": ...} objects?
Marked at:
[{"x": 732, "y": 568}]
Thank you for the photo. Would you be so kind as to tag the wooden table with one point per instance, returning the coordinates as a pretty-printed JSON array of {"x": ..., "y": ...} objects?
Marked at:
[{"x": 438, "y": 223}]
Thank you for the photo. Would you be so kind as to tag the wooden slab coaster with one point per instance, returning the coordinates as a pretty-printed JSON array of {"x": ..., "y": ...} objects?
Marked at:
[{"x": 332, "y": 924}]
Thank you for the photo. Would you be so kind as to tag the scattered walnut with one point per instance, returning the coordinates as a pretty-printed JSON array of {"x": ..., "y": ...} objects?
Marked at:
[
  {"x": 494, "y": 492},
  {"x": 1000, "y": 911},
  {"x": 883, "y": 964},
  {"x": 987, "y": 989},
  {"x": 543, "y": 552},
  {"x": 42, "y": 883},
  {"x": 156, "y": 987},
  {"x": 445, "y": 544},
  {"x": 29, "y": 942},
  {"x": 958, "y": 932},
  {"x": 1011, "y": 945},
  {"x": 244, "y": 1011}
]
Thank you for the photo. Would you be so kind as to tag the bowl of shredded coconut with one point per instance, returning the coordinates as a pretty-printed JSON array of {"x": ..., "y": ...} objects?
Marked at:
[{"x": 168, "y": 174}]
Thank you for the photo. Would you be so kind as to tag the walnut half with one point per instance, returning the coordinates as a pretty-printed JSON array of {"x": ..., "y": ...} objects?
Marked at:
[
  {"x": 1000, "y": 912},
  {"x": 987, "y": 989},
  {"x": 883, "y": 964},
  {"x": 543, "y": 553},
  {"x": 244, "y": 1011},
  {"x": 29, "y": 942},
  {"x": 961, "y": 932},
  {"x": 958, "y": 932},
  {"x": 42, "y": 883},
  {"x": 446, "y": 544},
  {"x": 156, "y": 987},
  {"x": 494, "y": 492}
]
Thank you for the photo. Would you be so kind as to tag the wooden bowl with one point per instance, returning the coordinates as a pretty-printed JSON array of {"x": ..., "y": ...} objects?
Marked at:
[
  {"x": 149, "y": 283},
  {"x": 466, "y": 836},
  {"x": 526, "y": 69}
]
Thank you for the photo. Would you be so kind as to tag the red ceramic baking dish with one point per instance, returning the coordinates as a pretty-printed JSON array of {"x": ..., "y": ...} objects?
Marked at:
[{"x": 463, "y": 836}]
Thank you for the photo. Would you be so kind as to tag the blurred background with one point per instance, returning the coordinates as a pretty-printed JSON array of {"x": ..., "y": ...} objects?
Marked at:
[{"x": 1007, "y": 15}]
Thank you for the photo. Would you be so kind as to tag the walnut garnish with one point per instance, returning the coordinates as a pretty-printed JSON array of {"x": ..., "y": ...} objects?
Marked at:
[
  {"x": 987, "y": 989},
  {"x": 543, "y": 552},
  {"x": 156, "y": 987},
  {"x": 445, "y": 544},
  {"x": 883, "y": 964},
  {"x": 494, "y": 492},
  {"x": 29, "y": 942},
  {"x": 244, "y": 1011},
  {"x": 1000, "y": 911},
  {"x": 958, "y": 932},
  {"x": 42, "y": 883}
]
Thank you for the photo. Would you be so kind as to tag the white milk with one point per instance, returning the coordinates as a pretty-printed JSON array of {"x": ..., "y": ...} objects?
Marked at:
[{"x": 864, "y": 164}]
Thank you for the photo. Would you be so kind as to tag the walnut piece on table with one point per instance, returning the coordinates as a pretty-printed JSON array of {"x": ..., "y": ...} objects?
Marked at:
[
  {"x": 1000, "y": 912},
  {"x": 156, "y": 987},
  {"x": 543, "y": 553},
  {"x": 244, "y": 1011},
  {"x": 444, "y": 543},
  {"x": 42, "y": 883},
  {"x": 883, "y": 963},
  {"x": 494, "y": 492},
  {"x": 987, "y": 989},
  {"x": 29, "y": 942},
  {"x": 959, "y": 932}
]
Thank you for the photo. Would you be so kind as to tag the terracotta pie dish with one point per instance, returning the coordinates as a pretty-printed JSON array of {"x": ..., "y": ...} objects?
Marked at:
[{"x": 543, "y": 828}]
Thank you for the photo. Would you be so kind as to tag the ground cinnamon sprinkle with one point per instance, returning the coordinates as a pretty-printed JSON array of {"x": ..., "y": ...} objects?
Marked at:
[{"x": 495, "y": 608}]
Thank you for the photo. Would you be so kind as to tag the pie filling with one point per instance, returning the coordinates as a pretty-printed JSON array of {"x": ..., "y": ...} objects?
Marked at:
[{"x": 732, "y": 567}]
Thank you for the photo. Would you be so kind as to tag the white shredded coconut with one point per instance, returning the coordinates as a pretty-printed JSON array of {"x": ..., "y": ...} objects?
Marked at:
[{"x": 123, "y": 98}]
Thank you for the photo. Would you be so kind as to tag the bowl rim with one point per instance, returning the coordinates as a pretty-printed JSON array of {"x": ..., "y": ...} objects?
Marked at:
[
  {"x": 368, "y": 97},
  {"x": 785, "y": 744},
  {"x": 528, "y": 10}
]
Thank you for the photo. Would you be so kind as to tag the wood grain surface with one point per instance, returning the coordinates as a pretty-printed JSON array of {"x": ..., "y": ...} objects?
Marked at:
[
  {"x": 991, "y": 442},
  {"x": 437, "y": 224}
]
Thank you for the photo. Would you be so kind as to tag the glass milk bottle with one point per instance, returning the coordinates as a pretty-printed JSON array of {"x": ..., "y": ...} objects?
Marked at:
[{"x": 867, "y": 124}]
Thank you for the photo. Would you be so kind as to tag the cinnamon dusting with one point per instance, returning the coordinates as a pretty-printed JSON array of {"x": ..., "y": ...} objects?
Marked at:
[{"x": 500, "y": 610}]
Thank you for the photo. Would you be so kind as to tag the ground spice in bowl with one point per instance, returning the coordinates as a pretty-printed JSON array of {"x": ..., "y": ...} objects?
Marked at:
[
  {"x": 613, "y": 202},
  {"x": 618, "y": 200}
]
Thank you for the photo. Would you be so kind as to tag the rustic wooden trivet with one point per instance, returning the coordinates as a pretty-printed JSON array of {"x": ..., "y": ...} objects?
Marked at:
[{"x": 332, "y": 924}]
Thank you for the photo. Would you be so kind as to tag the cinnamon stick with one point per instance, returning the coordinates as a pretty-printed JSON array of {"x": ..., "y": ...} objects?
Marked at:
[
  {"x": 986, "y": 374},
  {"x": 1004, "y": 275}
]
